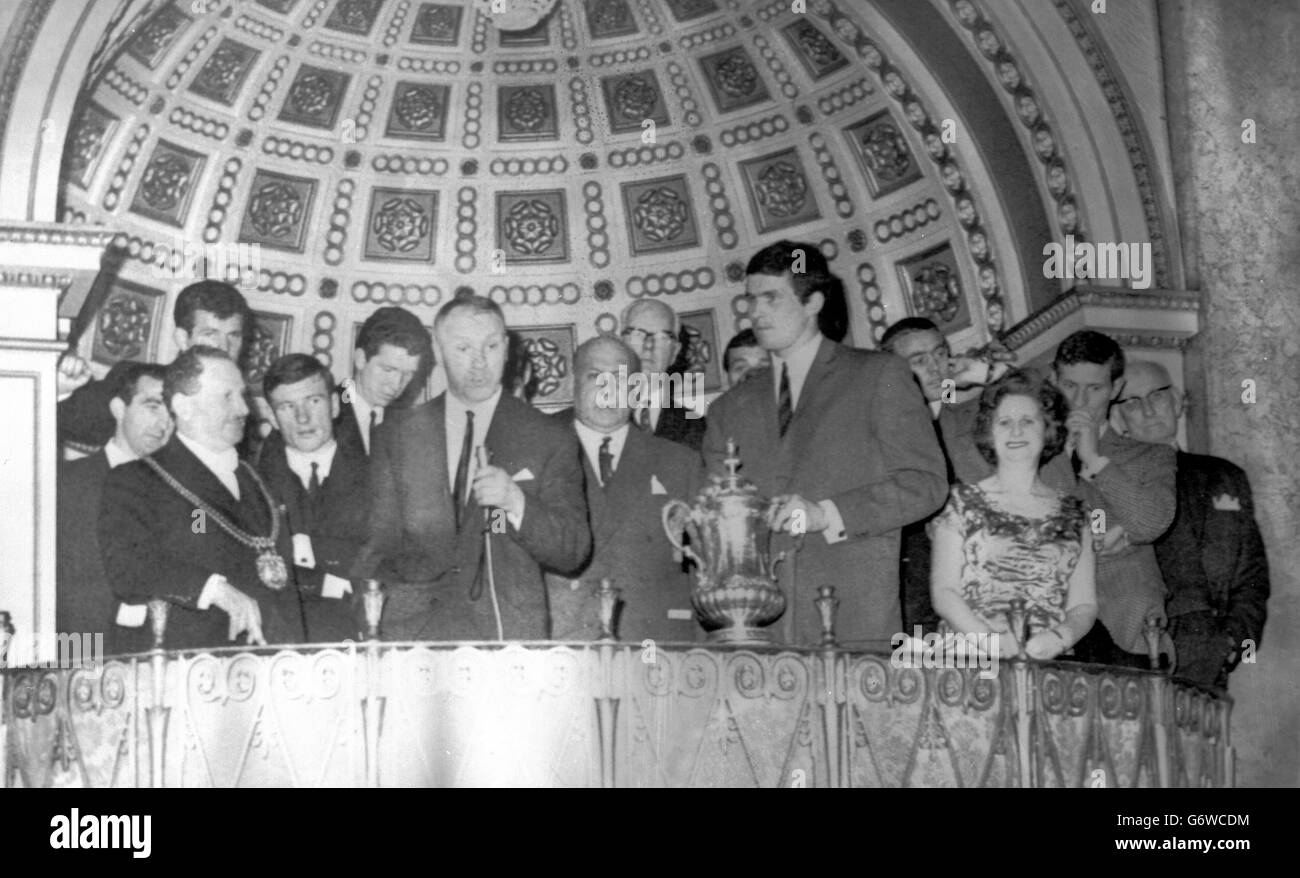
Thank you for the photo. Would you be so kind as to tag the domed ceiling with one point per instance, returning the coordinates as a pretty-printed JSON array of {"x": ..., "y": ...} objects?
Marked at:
[{"x": 389, "y": 152}]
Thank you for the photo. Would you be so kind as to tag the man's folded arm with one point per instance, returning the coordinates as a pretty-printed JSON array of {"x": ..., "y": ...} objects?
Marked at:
[
  {"x": 1141, "y": 493},
  {"x": 916, "y": 481}
]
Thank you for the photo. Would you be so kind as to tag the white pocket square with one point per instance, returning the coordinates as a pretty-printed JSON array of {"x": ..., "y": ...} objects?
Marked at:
[
  {"x": 1226, "y": 503},
  {"x": 656, "y": 486},
  {"x": 524, "y": 475}
]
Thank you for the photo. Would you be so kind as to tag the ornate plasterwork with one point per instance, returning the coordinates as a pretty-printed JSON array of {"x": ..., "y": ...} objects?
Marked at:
[
  {"x": 1129, "y": 129},
  {"x": 16, "y": 49},
  {"x": 1029, "y": 109}
]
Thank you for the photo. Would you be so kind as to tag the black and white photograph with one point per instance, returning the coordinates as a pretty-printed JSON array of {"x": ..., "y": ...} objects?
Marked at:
[{"x": 651, "y": 394}]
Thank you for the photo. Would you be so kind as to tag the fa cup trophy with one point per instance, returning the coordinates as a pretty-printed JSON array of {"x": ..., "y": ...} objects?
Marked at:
[{"x": 736, "y": 594}]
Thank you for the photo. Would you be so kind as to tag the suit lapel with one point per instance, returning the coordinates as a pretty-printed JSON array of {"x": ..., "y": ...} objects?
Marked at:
[
  {"x": 627, "y": 483},
  {"x": 191, "y": 472}
]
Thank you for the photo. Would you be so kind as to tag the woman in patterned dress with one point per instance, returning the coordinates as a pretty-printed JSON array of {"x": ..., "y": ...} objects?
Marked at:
[{"x": 1012, "y": 536}]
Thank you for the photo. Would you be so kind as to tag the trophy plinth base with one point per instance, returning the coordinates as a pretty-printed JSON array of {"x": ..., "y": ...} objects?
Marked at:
[
  {"x": 739, "y": 612},
  {"x": 742, "y": 635}
]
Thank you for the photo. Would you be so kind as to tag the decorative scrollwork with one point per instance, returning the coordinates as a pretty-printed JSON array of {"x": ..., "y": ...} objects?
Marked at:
[
  {"x": 748, "y": 675},
  {"x": 874, "y": 679},
  {"x": 658, "y": 674},
  {"x": 1109, "y": 697},
  {"x": 952, "y": 686},
  {"x": 909, "y": 685},
  {"x": 417, "y": 107},
  {"x": 311, "y": 94}
]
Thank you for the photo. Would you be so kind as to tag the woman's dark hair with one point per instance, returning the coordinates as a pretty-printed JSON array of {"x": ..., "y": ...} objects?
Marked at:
[{"x": 1022, "y": 382}]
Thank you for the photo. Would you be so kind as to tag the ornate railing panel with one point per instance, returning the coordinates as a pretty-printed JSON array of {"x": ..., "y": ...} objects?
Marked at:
[{"x": 602, "y": 714}]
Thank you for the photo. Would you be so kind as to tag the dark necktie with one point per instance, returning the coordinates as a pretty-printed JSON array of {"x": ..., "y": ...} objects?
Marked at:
[
  {"x": 1075, "y": 463},
  {"x": 308, "y": 522},
  {"x": 606, "y": 458},
  {"x": 784, "y": 406},
  {"x": 643, "y": 419},
  {"x": 462, "y": 466}
]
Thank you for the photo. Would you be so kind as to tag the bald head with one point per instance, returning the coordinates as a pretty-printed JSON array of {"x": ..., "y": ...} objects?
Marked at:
[
  {"x": 650, "y": 328},
  {"x": 599, "y": 365},
  {"x": 1149, "y": 404}
]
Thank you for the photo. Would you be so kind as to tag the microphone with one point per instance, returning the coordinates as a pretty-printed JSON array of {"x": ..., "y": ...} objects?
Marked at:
[{"x": 481, "y": 456}]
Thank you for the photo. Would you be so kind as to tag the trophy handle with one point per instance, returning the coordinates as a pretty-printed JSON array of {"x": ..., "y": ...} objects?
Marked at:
[
  {"x": 676, "y": 518},
  {"x": 776, "y": 563}
]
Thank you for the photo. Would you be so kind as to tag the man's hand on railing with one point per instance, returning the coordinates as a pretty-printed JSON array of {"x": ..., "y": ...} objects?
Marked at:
[{"x": 244, "y": 613}]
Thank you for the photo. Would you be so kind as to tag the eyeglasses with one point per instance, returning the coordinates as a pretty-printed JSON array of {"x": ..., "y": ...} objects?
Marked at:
[
  {"x": 638, "y": 337},
  {"x": 1159, "y": 396}
]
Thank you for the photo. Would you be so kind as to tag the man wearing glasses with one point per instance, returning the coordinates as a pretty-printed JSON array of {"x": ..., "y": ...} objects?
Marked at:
[
  {"x": 652, "y": 330},
  {"x": 1212, "y": 558}
]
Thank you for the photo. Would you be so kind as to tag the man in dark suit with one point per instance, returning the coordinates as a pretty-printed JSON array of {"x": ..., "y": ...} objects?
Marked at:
[
  {"x": 322, "y": 486},
  {"x": 1131, "y": 482},
  {"x": 840, "y": 440},
  {"x": 919, "y": 341},
  {"x": 630, "y": 476},
  {"x": 84, "y": 601},
  {"x": 194, "y": 525},
  {"x": 1212, "y": 558},
  {"x": 652, "y": 330},
  {"x": 209, "y": 312},
  {"x": 435, "y": 504}
]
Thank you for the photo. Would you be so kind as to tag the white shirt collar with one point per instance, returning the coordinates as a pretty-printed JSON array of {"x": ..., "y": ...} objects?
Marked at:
[
  {"x": 116, "y": 454},
  {"x": 936, "y": 406},
  {"x": 223, "y": 464},
  {"x": 300, "y": 461},
  {"x": 800, "y": 359},
  {"x": 592, "y": 439}
]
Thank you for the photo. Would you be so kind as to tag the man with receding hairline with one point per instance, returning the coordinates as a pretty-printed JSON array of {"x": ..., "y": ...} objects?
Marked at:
[
  {"x": 630, "y": 476},
  {"x": 1212, "y": 557},
  {"x": 195, "y": 526},
  {"x": 653, "y": 331},
  {"x": 434, "y": 503}
]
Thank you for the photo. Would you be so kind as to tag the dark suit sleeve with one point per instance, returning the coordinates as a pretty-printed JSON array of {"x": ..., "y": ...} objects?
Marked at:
[
  {"x": 902, "y": 437},
  {"x": 384, "y": 535},
  {"x": 84, "y": 417},
  {"x": 1248, "y": 590},
  {"x": 137, "y": 561},
  {"x": 1141, "y": 492},
  {"x": 555, "y": 531}
]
